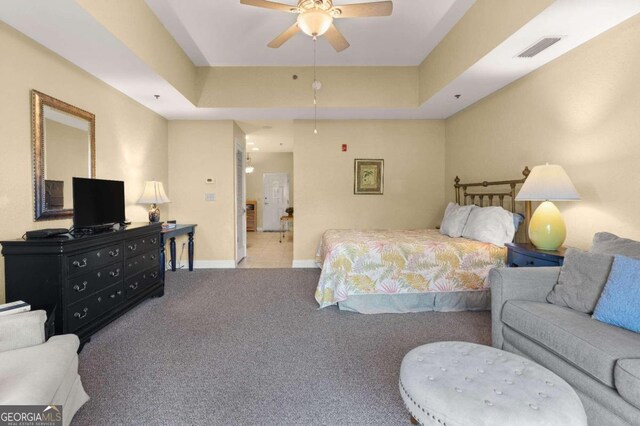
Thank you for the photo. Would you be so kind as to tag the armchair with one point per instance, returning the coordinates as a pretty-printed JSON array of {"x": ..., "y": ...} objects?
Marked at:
[{"x": 38, "y": 372}]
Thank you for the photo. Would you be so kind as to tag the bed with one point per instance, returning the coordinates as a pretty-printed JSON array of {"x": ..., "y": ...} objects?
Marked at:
[{"x": 395, "y": 271}]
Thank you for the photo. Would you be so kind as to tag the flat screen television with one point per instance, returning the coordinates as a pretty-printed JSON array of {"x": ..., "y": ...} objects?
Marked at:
[{"x": 97, "y": 203}]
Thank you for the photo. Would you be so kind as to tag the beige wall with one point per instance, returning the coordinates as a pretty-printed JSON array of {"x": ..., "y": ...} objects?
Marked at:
[
  {"x": 268, "y": 162},
  {"x": 487, "y": 24},
  {"x": 273, "y": 87},
  {"x": 581, "y": 111},
  {"x": 135, "y": 25},
  {"x": 66, "y": 155},
  {"x": 413, "y": 184},
  {"x": 199, "y": 150},
  {"x": 130, "y": 140}
]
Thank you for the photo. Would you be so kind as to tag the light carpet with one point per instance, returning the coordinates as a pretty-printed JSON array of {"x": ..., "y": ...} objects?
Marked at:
[{"x": 250, "y": 347}]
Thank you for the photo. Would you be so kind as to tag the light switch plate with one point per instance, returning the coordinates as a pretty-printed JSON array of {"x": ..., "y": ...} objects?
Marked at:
[{"x": 209, "y": 196}]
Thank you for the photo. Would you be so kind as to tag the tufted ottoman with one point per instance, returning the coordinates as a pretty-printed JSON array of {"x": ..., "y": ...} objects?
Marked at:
[{"x": 457, "y": 383}]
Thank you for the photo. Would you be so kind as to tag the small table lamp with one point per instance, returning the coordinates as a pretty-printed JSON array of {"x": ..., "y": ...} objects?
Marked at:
[
  {"x": 547, "y": 183},
  {"x": 153, "y": 194}
]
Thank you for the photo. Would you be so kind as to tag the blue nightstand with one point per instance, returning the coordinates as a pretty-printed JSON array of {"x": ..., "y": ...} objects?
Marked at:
[{"x": 527, "y": 255}]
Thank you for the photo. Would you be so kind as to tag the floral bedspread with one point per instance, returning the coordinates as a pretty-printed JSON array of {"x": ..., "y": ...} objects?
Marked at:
[{"x": 401, "y": 261}]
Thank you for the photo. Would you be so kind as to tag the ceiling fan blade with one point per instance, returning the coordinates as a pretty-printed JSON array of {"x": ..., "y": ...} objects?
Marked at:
[
  {"x": 286, "y": 35},
  {"x": 363, "y": 10},
  {"x": 271, "y": 5},
  {"x": 336, "y": 39}
]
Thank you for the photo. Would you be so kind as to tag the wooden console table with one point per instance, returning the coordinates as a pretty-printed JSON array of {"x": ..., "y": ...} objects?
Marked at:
[
  {"x": 285, "y": 223},
  {"x": 172, "y": 234}
]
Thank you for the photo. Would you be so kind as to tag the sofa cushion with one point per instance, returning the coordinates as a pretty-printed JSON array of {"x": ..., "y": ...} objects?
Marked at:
[
  {"x": 582, "y": 278},
  {"x": 607, "y": 243},
  {"x": 627, "y": 375},
  {"x": 33, "y": 375},
  {"x": 619, "y": 304},
  {"x": 589, "y": 345}
]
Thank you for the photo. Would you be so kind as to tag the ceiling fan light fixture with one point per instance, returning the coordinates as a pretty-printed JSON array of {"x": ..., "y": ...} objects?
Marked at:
[{"x": 314, "y": 22}]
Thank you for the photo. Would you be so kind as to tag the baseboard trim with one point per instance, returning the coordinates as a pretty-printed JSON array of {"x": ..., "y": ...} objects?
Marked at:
[
  {"x": 304, "y": 263},
  {"x": 214, "y": 264},
  {"x": 259, "y": 229}
]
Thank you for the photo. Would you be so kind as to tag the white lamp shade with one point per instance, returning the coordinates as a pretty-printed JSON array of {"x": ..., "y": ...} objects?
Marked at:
[
  {"x": 548, "y": 182},
  {"x": 153, "y": 193},
  {"x": 314, "y": 22}
]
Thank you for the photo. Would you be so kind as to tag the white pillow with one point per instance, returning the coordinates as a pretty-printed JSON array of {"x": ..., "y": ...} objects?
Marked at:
[
  {"x": 490, "y": 225},
  {"x": 454, "y": 220}
]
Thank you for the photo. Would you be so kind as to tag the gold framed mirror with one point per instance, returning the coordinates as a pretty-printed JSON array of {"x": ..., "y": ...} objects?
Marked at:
[{"x": 64, "y": 146}]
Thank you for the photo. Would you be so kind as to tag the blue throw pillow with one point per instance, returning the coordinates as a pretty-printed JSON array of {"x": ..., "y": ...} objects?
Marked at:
[{"x": 619, "y": 302}]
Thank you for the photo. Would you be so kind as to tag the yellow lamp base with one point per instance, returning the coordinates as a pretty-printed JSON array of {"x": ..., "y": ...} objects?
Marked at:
[{"x": 546, "y": 229}]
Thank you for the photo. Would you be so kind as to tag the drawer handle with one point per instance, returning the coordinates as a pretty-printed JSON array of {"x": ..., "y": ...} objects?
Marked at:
[
  {"x": 81, "y": 315},
  {"x": 153, "y": 257},
  {"x": 154, "y": 240},
  {"x": 117, "y": 293},
  {"x": 133, "y": 247},
  {"x": 154, "y": 275},
  {"x": 114, "y": 253},
  {"x": 133, "y": 286},
  {"x": 79, "y": 264},
  {"x": 79, "y": 289},
  {"x": 115, "y": 273}
]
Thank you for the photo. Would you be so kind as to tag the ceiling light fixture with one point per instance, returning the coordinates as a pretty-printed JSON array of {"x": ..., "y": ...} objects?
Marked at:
[
  {"x": 315, "y": 18},
  {"x": 249, "y": 168},
  {"x": 315, "y": 22},
  {"x": 255, "y": 149}
]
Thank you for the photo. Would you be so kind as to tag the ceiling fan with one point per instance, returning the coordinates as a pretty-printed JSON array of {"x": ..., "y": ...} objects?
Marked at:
[{"x": 315, "y": 18}]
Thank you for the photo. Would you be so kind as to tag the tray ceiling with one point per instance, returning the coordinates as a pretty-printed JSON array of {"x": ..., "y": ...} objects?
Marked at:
[{"x": 227, "y": 33}]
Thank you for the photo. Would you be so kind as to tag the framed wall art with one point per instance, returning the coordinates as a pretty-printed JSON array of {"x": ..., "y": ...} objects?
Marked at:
[{"x": 368, "y": 176}]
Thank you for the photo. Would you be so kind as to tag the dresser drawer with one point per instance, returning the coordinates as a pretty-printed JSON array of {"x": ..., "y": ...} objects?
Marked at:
[
  {"x": 521, "y": 260},
  {"x": 141, "y": 245},
  {"x": 89, "y": 260},
  {"x": 141, "y": 281},
  {"x": 87, "y": 310},
  {"x": 86, "y": 284},
  {"x": 141, "y": 263}
]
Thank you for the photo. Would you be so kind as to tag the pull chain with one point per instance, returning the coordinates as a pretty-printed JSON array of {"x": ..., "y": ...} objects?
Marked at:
[{"x": 315, "y": 89}]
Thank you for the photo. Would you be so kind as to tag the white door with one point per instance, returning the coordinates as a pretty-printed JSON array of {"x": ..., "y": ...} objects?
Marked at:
[
  {"x": 241, "y": 207},
  {"x": 276, "y": 199}
]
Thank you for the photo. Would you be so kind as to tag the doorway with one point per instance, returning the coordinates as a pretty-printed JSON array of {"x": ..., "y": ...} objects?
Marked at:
[{"x": 269, "y": 187}]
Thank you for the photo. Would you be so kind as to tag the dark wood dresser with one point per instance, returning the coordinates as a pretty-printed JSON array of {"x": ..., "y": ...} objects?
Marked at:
[{"x": 89, "y": 280}]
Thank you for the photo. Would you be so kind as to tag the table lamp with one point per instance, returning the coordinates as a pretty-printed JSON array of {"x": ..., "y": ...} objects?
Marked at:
[
  {"x": 153, "y": 194},
  {"x": 547, "y": 183}
]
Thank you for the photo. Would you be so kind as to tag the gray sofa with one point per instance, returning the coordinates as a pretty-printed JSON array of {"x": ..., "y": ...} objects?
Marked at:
[{"x": 600, "y": 361}]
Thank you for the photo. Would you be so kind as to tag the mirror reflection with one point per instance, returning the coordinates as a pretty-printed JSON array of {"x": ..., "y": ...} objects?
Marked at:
[{"x": 67, "y": 144}]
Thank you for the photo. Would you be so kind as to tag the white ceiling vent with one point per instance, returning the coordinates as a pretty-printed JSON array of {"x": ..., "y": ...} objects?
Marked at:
[{"x": 538, "y": 47}]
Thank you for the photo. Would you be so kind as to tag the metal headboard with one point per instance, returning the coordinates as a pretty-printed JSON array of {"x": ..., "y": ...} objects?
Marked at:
[{"x": 465, "y": 197}]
